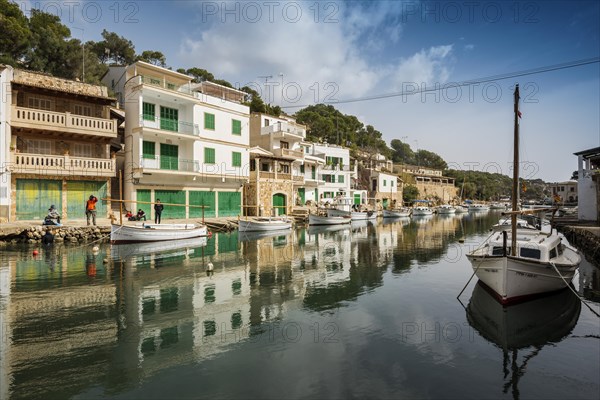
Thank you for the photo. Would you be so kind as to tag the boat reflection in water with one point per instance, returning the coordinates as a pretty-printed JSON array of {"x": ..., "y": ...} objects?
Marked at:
[
  {"x": 252, "y": 236},
  {"x": 526, "y": 326},
  {"x": 154, "y": 249}
]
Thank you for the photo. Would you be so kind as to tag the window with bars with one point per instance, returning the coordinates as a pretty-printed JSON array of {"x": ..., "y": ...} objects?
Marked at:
[
  {"x": 209, "y": 121},
  {"x": 236, "y": 159},
  {"x": 236, "y": 127},
  {"x": 148, "y": 111},
  {"x": 209, "y": 155}
]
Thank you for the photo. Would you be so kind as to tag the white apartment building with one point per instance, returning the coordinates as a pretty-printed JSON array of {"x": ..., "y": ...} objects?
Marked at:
[
  {"x": 186, "y": 143},
  {"x": 5, "y": 78},
  {"x": 588, "y": 184}
]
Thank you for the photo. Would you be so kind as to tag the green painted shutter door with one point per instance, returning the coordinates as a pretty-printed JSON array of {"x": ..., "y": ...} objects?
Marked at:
[
  {"x": 143, "y": 195},
  {"x": 78, "y": 192},
  {"x": 302, "y": 195},
  {"x": 169, "y": 119},
  {"x": 35, "y": 196},
  {"x": 169, "y": 155},
  {"x": 174, "y": 197},
  {"x": 357, "y": 199},
  {"x": 279, "y": 203},
  {"x": 385, "y": 203},
  {"x": 200, "y": 198},
  {"x": 229, "y": 204}
]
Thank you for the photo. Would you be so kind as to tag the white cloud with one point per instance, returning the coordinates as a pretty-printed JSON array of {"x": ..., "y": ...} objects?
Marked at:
[
  {"x": 468, "y": 47},
  {"x": 426, "y": 66}
]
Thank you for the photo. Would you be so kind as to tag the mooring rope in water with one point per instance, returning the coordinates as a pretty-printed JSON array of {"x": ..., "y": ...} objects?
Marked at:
[
  {"x": 479, "y": 265},
  {"x": 572, "y": 290}
]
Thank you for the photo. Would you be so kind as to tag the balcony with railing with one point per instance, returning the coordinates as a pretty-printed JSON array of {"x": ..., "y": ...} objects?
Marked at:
[
  {"x": 284, "y": 129},
  {"x": 169, "y": 164},
  {"x": 297, "y": 154},
  {"x": 282, "y": 176},
  {"x": 163, "y": 84},
  {"x": 62, "y": 122},
  {"x": 62, "y": 165},
  {"x": 170, "y": 125}
]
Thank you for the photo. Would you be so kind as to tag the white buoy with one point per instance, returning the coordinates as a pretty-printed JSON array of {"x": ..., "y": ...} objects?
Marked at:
[
  {"x": 210, "y": 266},
  {"x": 95, "y": 248}
]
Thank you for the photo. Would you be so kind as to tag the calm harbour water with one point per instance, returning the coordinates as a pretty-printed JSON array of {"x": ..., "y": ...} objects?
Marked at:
[{"x": 363, "y": 311}]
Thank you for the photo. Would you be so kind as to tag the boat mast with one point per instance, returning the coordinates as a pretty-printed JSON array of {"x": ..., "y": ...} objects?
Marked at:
[{"x": 515, "y": 191}]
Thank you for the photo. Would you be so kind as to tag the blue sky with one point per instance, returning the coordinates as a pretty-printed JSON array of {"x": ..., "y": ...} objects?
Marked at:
[{"x": 345, "y": 50}]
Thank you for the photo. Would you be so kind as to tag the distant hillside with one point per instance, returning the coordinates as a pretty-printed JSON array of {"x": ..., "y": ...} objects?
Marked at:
[{"x": 492, "y": 186}]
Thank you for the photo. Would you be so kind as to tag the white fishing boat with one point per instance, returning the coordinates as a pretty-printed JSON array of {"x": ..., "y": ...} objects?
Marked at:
[
  {"x": 521, "y": 263},
  {"x": 505, "y": 223},
  {"x": 398, "y": 213},
  {"x": 446, "y": 209},
  {"x": 120, "y": 234},
  {"x": 498, "y": 206},
  {"x": 459, "y": 209},
  {"x": 476, "y": 207},
  {"x": 264, "y": 224},
  {"x": 327, "y": 220},
  {"x": 344, "y": 206}
]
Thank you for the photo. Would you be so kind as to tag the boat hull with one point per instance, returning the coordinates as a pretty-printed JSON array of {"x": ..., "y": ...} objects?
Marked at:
[
  {"x": 395, "y": 214},
  {"x": 264, "y": 226},
  {"x": 319, "y": 220},
  {"x": 354, "y": 215},
  {"x": 420, "y": 213},
  {"x": 123, "y": 234},
  {"x": 513, "y": 279}
]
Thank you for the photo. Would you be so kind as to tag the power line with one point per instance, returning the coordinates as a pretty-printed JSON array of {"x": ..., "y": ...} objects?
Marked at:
[{"x": 533, "y": 71}]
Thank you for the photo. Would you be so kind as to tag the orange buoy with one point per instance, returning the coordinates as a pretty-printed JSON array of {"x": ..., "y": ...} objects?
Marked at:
[{"x": 35, "y": 252}]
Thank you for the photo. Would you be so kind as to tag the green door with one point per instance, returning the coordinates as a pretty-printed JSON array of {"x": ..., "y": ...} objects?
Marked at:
[
  {"x": 169, "y": 118},
  {"x": 385, "y": 203},
  {"x": 78, "y": 192},
  {"x": 230, "y": 204},
  {"x": 279, "y": 204},
  {"x": 35, "y": 196},
  {"x": 143, "y": 195},
  {"x": 169, "y": 155},
  {"x": 172, "y": 197},
  {"x": 357, "y": 199},
  {"x": 302, "y": 195},
  {"x": 200, "y": 198}
]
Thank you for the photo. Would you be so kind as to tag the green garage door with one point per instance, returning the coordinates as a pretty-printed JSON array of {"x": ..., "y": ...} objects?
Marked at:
[
  {"x": 173, "y": 197},
  {"x": 200, "y": 198},
  {"x": 143, "y": 195},
  {"x": 357, "y": 199},
  {"x": 302, "y": 195},
  {"x": 78, "y": 192},
  {"x": 230, "y": 204},
  {"x": 35, "y": 196}
]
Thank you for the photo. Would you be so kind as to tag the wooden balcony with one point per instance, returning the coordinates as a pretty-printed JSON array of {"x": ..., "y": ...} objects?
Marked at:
[
  {"x": 62, "y": 122},
  {"x": 55, "y": 165}
]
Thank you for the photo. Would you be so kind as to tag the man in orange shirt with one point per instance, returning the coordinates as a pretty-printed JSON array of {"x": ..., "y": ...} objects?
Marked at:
[{"x": 90, "y": 209}]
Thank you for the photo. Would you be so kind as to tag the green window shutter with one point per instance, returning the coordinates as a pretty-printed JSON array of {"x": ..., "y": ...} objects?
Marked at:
[
  {"x": 209, "y": 121},
  {"x": 236, "y": 127},
  {"x": 313, "y": 172},
  {"x": 148, "y": 111},
  {"x": 169, "y": 156},
  {"x": 209, "y": 155},
  {"x": 301, "y": 168},
  {"x": 384, "y": 182},
  {"x": 236, "y": 159},
  {"x": 332, "y": 178},
  {"x": 341, "y": 179},
  {"x": 169, "y": 119},
  {"x": 148, "y": 149}
]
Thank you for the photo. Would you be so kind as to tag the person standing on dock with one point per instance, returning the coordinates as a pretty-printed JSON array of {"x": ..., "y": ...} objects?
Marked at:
[
  {"x": 90, "y": 209},
  {"x": 158, "y": 209}
]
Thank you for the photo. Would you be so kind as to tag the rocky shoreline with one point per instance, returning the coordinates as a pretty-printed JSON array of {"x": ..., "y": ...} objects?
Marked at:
[
  {"x": 62, "y": 234},
  {"x": 586, "y": 241}
]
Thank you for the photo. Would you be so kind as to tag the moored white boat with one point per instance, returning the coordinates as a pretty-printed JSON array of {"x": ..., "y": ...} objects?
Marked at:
[
  {"x": 446, "y": 209},
  {"x": 354, "y": 215},
  {"x": 459, "y": 209},
  {"x": 264, "y": 224},
  {"x": 478, "y": 207},
  {"x": 120, "y": 234},
  {"x": 498, "y": 206},
  {"x": 327, "y": 220},
  {"x": 519, "y": 263},
  {"x": 421, "y": 211},
  {"x": 398, "y": 213}
]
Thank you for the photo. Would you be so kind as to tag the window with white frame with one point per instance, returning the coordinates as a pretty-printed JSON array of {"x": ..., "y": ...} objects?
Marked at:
[
  {"x": 40, "y": 103},
  {"x": 36, "y": 146},
  {"x": 81, "y": 109},
  {"x": 82, "y": 150}
]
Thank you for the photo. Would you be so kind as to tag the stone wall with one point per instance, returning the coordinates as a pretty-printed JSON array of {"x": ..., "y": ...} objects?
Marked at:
[
  {"x": 62, "y": 234},
  {"x": 41, "y": 80},
  {"x": 265, "y": 201}
]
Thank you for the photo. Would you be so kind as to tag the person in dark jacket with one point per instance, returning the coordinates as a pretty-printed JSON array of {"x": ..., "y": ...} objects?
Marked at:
[
  {"x": 158, "y": 209},
  {"x": 48, "y": 237}
]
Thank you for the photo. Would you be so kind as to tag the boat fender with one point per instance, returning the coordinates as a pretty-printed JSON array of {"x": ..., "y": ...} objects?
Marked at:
[{"x": 209, "y": 234}]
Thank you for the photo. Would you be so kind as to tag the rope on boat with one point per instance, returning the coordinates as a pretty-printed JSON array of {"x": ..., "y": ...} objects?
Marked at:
[
  {"x": 479, "y": 265},
  {"x": 573, "y": 290}
]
